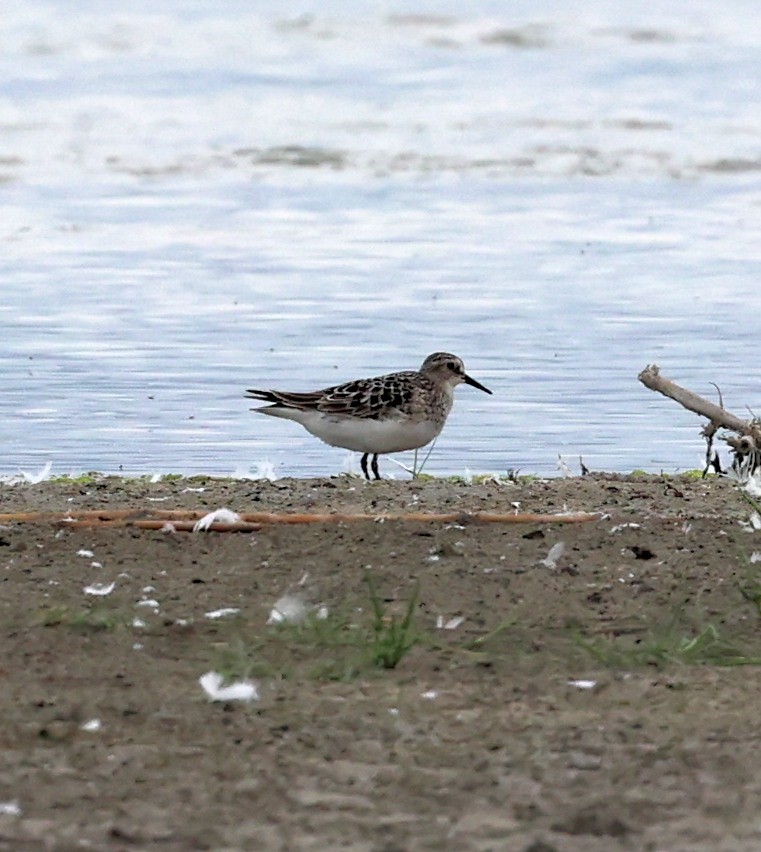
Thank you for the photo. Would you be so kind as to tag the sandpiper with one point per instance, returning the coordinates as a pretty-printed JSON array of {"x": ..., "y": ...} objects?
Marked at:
[{"x": 383, "y": 414}]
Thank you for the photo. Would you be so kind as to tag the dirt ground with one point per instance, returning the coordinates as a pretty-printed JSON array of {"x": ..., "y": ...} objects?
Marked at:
[{"x": 604, "y": 699}]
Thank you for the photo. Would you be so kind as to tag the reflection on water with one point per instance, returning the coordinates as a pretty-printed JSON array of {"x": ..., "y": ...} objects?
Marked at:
[{"x": 198, "y": 203}]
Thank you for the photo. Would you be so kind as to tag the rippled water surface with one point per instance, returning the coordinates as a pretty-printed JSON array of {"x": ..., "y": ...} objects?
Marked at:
[{"x": 206, "y": 198}]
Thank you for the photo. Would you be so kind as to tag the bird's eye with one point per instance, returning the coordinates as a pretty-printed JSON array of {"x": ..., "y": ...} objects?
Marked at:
[{"x": 452, "y": 366}]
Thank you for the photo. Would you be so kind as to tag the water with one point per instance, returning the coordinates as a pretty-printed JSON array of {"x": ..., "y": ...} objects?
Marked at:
[{"x": 203, "y": 199}]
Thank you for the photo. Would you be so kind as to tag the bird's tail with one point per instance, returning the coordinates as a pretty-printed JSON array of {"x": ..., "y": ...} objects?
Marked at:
[
  {"x": 285, "y": 399},
  {"x": 263, "y": 395}
]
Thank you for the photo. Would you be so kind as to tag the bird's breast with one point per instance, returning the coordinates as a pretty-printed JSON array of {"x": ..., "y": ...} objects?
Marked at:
[{"x": 372, "y": 436}]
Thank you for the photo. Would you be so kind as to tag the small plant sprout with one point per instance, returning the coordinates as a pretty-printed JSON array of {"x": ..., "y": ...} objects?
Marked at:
[
  {"x": 416, "y": 471},
  {"x": 750, "y": 587},
  {"x": 392, "y": 637}
]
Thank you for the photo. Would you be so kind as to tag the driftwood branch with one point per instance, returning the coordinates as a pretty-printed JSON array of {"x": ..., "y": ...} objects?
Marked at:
[
  {"x": 746, "y": 443},
  {"x": 720, "y": 418}
]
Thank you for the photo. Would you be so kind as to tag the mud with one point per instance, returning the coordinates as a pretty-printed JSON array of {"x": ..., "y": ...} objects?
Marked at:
[{"x": 605, "y": 698}]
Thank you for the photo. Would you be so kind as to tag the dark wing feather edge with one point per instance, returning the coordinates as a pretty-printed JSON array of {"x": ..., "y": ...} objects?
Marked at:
[{"x": 289, "y": 400}]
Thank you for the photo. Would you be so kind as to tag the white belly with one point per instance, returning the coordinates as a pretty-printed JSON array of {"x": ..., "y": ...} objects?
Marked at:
[{"x": 363, "y": 436}]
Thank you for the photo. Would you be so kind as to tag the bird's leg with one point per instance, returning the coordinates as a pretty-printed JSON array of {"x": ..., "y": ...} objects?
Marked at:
[
  {"x": 374, "y": 466},
  {"x": 363, "y": 465}
]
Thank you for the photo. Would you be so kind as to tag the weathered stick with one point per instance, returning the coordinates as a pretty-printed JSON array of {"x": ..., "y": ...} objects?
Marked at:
[
  {"x": 245, "y": 525},
  {"x": 422, "y": 517},
  {"x": 188, "y": 526},
  {"x": 719, "y": 417},
  {"x": 184, "y": 520},
  {"x": 102, "y": 515}
]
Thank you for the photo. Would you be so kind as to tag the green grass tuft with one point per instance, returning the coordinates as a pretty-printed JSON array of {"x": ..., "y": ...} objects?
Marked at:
[
  {"x": 88, "y": 620},
  {"x": 392, "y": 637},
  {"x": 670, "y": 646},
  {"x": 81, "y": 479},
  {"x": 344, "y": 645}
]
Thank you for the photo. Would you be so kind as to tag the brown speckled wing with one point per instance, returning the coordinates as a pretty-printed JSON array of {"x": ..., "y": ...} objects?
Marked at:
[{"x": 370, "y": 398}]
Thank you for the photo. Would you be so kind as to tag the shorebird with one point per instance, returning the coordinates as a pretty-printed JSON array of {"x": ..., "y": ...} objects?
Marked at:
[{"x": 382, "y": 414}]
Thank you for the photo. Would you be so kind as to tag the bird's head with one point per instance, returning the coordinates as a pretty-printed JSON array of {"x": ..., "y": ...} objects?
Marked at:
[{"x": 448, "y": 369}]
